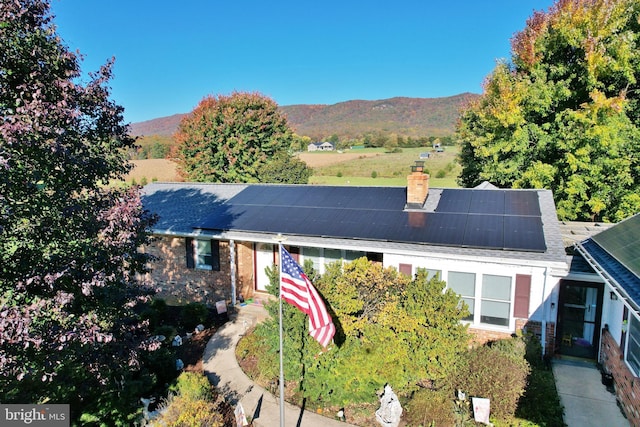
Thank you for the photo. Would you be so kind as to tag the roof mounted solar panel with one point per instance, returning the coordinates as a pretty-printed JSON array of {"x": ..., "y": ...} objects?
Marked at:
[
  {"x": 487, "y": 202},
  {"x": 622, "y": 241},
  {"x": 445, "y": 229},
  {"x": 524, "y": 233},
  {"x": 484, "y": 231},
  {"x": 374, "y": 213},
  {"x": 522, "y": 202},
  {"x": 454, "y": 201}
]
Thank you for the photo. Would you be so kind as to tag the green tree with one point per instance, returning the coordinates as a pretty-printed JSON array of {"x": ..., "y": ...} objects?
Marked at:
[
  {"x": 68, "y": 243},
  {"x": 285, "y": 169},
  {"x": 564, "y": 113},
  {"x": 390, "y": 329},
  {"x": 229, "y": 138}
]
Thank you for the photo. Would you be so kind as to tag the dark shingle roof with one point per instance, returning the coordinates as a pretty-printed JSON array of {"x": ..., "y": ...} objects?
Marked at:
[
  {"x": 627, "y": 280},
  {"x": 181, "y": 205}
]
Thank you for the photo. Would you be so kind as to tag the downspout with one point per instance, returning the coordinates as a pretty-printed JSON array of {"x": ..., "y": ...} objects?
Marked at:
[
  {"x": 232, "y": 260},
  {"x": 543, "y": 332}
]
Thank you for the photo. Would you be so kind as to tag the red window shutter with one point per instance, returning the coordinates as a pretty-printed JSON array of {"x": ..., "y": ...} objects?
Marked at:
[
  {"x": 406, "y": 269},
  {"x": 523, "y": 293}
]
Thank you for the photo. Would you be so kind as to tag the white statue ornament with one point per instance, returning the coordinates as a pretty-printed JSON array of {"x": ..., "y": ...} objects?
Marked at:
[{"x": 390, "y": 410}]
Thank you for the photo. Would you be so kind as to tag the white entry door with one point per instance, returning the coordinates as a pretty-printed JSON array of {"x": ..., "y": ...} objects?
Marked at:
[{"x": 264, "y": 259}]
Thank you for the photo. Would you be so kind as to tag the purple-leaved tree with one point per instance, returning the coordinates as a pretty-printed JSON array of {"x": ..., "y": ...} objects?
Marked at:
[{"x": 68, "y": 240}]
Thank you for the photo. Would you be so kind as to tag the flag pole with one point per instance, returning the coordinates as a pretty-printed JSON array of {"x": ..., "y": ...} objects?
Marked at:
[{"x": 280, "y": 328}]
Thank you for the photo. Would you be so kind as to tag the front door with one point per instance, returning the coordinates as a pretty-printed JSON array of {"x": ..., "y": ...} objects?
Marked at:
[
  {"x": 579, "y": 314},
  {"x": 264, "y": 258}
]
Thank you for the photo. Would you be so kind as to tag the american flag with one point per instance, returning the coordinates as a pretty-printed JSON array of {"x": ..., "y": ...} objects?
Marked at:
[{"x": 297, "y": 290}]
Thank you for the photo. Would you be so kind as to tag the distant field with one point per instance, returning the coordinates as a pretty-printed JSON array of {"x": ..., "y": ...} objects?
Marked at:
[
  {"x": 352, "y": 167},
  {"x": 153, "y": 170},
  {"x": 390, "y": 169},
  {"x": 320, "y": 159}
]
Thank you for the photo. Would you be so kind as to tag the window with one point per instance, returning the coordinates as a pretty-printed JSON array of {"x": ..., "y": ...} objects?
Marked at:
[
  {"x": 433, "y": 273},
  {"x": 352, "y": 255},
  {"x": 633, "y": 349},
  {"x": 203, "y": 254},
  {"x": 495, "y": 305},
  {"x": 314, "y": 255},
  {"x": 464, "y": 284},
  {"x": 332, "y": 255}
]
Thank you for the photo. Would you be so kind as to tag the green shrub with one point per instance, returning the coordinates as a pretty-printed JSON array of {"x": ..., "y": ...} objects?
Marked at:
[
  {"x": 144, "y": 181},
  {"x": 491, "y": 373},
  {"x": 374, "y": 174},
  {"x": 339, "y": 174},
  {"x": 181, "y": 411},
  {"x": 194, "y": 314},
  {"x": 192, "y": 386},
  {"x": 514, "y": 348},
  {"x": 430, "y": 408},
  {"x": 441, "y": 174}
]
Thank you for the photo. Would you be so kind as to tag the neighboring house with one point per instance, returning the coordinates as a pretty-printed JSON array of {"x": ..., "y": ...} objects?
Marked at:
[
  {"x": 501, "y": 250},
  {"x": 603, "y": 316},
  {"x": 320, "y": 146}
]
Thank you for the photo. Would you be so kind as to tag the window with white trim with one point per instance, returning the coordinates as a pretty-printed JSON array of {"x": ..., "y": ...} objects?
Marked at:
[
  {"x": 495, "y": 304},
  {"x": 464, "y": 284},
  {"x": 202, "y": 254},
  {"x": 633, "y": 346}
]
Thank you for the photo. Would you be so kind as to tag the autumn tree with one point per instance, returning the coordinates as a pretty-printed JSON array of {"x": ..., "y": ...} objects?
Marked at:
[
  {"x": 68, "y": 242},
  {"x": 230, "y": 138},
  {"x": 564, "y": 113}
]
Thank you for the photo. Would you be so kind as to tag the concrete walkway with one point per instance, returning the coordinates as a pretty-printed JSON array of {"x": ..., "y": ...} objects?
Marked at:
[
  {"x": 586, "y": 401},
  {"x": 221, "y": 366}
]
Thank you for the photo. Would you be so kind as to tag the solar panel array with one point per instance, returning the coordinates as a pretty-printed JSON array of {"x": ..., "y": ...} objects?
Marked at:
[
  {"x": 493, "y": 219},
  {"x": 622, "y": 241}
]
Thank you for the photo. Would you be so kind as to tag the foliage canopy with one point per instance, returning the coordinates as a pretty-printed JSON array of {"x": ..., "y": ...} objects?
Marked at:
[
  {"x": 564, "y": 113},
  {"x": 68, "y": 243},
  {"x": 232, "y": 139},
  {"x": 390, "y": 329}
]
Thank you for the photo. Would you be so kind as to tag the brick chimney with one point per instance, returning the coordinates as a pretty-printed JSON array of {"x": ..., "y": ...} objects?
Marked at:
[{"x": 417, "y": 186}]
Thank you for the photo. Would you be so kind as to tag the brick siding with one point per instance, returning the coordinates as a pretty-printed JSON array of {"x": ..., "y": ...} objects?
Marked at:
[
  {"x": 626, "y": 384},
  {"x": 178, "y": 284},
  {"x": 482, "y": 336}
]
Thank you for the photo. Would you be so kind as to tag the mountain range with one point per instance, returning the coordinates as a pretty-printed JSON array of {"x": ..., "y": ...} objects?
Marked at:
[{"x": 400, "y": 115}]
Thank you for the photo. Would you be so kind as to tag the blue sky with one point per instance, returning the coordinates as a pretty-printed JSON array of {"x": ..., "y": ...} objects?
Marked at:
[{"x": 170, "y": 55}]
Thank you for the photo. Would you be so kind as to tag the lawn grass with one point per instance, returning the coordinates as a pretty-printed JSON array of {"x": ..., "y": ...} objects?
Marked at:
[{"x": 375, "y": 167}]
